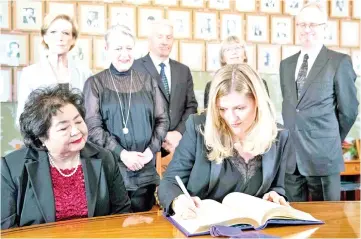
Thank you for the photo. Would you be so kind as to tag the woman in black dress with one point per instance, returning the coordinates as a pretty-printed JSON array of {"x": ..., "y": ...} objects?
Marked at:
[{"x": 126, "y": 113}]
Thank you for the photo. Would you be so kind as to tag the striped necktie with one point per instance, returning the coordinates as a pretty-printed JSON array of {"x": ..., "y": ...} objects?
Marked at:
[
  {"x": 164, "y": 78},
  {"x": 301, "y": 77}
]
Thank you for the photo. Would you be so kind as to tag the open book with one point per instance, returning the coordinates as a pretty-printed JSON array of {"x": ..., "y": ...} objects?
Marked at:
[{"x": 243, "y": 210}]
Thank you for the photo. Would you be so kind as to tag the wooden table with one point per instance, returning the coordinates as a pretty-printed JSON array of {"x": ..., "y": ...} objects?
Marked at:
[{"x": 342, "y": 220}]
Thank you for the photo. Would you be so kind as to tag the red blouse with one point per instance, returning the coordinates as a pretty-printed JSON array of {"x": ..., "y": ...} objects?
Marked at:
[{"x": 69, "y": 194}]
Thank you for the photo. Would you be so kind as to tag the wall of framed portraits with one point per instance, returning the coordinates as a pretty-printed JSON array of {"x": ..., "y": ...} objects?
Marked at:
[{"x": 267, "y": 26}]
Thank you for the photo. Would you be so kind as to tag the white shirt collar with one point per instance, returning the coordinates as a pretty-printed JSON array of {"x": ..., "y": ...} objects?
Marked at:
[
  {"x": 157, "y": 61},
  {"x": 313, "y": 53}
]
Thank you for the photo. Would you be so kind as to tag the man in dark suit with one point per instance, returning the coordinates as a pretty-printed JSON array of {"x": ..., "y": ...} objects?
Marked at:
[
  {"x": 174, "y": 80},
  {"x": 319, "y": 108}
]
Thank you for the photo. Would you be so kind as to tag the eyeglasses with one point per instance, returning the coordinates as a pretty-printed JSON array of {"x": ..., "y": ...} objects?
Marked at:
[
  {"x": 233, "y": 48},
  {"x": 312, "y": 26}
]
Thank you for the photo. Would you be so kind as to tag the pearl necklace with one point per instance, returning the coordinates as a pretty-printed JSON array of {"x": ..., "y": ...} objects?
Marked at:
[{"x": 52, "y": 163}]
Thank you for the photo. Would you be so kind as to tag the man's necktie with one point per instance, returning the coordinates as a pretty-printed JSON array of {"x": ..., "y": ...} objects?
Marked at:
[
  {"x": 301, "y": 77},
  {"x": 164, "y": 78}
]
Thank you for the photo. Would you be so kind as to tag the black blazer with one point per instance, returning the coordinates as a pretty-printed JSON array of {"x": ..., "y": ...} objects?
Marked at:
[
  {"x": 190, "y": 163},
  {"x": 27, "y": 196},
  {"x": 320, "y": 120},
  {"x": 182, "y": 100}
]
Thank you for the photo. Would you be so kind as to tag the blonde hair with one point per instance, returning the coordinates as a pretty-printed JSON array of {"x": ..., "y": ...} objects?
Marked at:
[
  {"x": 50, "y": 18},
  {"x": 240, "y": 78},
  {"x": 228, "y": 41},
  {"x": 120, "y": 29},
  {"x": 317, "y": 6}
]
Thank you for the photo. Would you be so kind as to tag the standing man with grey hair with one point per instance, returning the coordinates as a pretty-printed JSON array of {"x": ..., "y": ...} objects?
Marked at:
[
  {"x": 174, "y": 80},
  {"x": 319, "y": 108}
]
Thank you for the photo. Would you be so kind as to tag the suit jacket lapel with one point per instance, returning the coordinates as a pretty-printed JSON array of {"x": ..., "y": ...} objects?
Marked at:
[
  {"x": 40, "y": 179},
  {"x": 174, "y": 74},
  {"x": 268, "y": 164},
  {"x": 149, "y": 65},
  {"x": 290, "y": 71},
  {"x": 91, "y": 168},
  {"x": 317, "y": 66}
]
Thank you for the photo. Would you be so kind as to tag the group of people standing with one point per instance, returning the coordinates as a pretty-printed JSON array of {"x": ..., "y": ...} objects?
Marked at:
[{"x": 93, "y": 153}]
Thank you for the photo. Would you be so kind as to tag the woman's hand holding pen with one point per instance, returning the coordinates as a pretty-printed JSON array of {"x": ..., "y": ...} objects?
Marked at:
[{"x": 185, "y": 207}]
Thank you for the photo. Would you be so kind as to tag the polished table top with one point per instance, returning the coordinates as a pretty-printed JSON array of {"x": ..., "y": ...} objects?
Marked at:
[{"x": 342, "y": 220}]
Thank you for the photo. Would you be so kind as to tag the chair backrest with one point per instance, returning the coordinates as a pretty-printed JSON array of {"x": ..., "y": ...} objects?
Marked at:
[{"x": 162, "y": 163}]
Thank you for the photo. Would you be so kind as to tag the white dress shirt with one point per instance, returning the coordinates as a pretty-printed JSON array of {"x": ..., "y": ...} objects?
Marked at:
[
  {"x": 312, "y": 55},
  {"x": 157, "y": 62}
]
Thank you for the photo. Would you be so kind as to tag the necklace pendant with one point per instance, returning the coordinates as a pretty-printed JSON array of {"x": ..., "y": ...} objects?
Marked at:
[{"x": 125, "y": 130}]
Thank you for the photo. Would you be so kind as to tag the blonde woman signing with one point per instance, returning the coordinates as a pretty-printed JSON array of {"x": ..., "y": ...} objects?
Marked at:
[
  {"x": 59, "y": 33},
  {"x": 233, "y": 51},
  {"x": 239, "y": 132}
]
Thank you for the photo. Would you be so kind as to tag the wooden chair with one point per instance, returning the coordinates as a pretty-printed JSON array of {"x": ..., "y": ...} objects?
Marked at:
[{"x": 162, "y": 163}]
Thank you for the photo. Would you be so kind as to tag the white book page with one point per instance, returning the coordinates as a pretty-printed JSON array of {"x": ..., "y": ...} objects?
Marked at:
[{"x": 248, "y": 206}]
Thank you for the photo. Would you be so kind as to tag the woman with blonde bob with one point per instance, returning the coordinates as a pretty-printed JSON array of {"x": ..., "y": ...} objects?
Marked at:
[
  {"x": 233, "y": 51},
  {"x": 236, "y": 147},
  {"x": 59, "y": 33}
]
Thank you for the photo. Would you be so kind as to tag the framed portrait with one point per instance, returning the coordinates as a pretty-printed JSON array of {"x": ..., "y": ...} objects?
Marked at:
[
  {"x": 16, "y": 49},
  {"x": 182, "y": 22},
  {"x": 246, "y": 5},
  {"x": 231, "y": 25},
  {"x": 146, "y": 16},
  {"x": 289, "y": 50},
  {"x": 124, "y": 15},
  {"x": 5, "y": 15},
  {"x": 339, "y": 8},
  {"x": 37, "y": 50},
  {"x": 174, "y": 54},
  {"x": 165, "y": 2},
  {"x": 28, "y": 15},
  {"x": 100, "y": 58},
  {"x": 268, "y": 58},
  {"x": 257, "y": 28},
  {"x": 356, "y": 61},
  {"x": 68, "y": 8},
  {"x": 192, "y": 54},
  {"x": 205, "y": 25},
  {"x": 92, "y": 18},
  {"x": 219, "y": 4},
  {"x": 282, "y": 30},
  {"x": 213, "y": 62},
  {"x": 251, "y": 53},
  {"x": 5, "y": 84},
  {"x": 193, "y": 3},
  {"x": 356, "y": 9},
  {"x": 83, "y": 51},
  {"x": 141, "y": 48},
  {"x": 332, "y": 33},
  {"x": 350, "y": 33},
  {"x": 292, "y": 7},
  {"x": 342, "y": 50},
  {"x": 16, "y": 83},
  {"x": 138, "y": 2},
  {"x": 270, "y": 6},
  {"x": 323, "y": 3}
]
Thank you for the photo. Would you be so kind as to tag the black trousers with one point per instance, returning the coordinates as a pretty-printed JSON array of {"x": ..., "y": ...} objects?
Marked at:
[
  {"x": 320, "y": 188},
  {"x": 142, "y": 199}
]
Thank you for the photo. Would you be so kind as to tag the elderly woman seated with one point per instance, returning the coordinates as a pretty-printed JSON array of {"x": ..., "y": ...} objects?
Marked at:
[{"x": 58, "y": 175}]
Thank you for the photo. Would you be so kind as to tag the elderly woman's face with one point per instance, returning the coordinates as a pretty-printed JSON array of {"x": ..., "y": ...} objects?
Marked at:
[
  {"x": 59, "y": 37},
  {"x": 238, "y": 111},
  {"x": 233, "y": 53},
  {"x": 120, "y": 49},
  {"x": 68, "y": 132}
]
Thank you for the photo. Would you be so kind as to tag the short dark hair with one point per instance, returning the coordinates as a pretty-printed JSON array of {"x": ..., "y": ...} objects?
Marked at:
[{"x": 41, "y": 105}]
